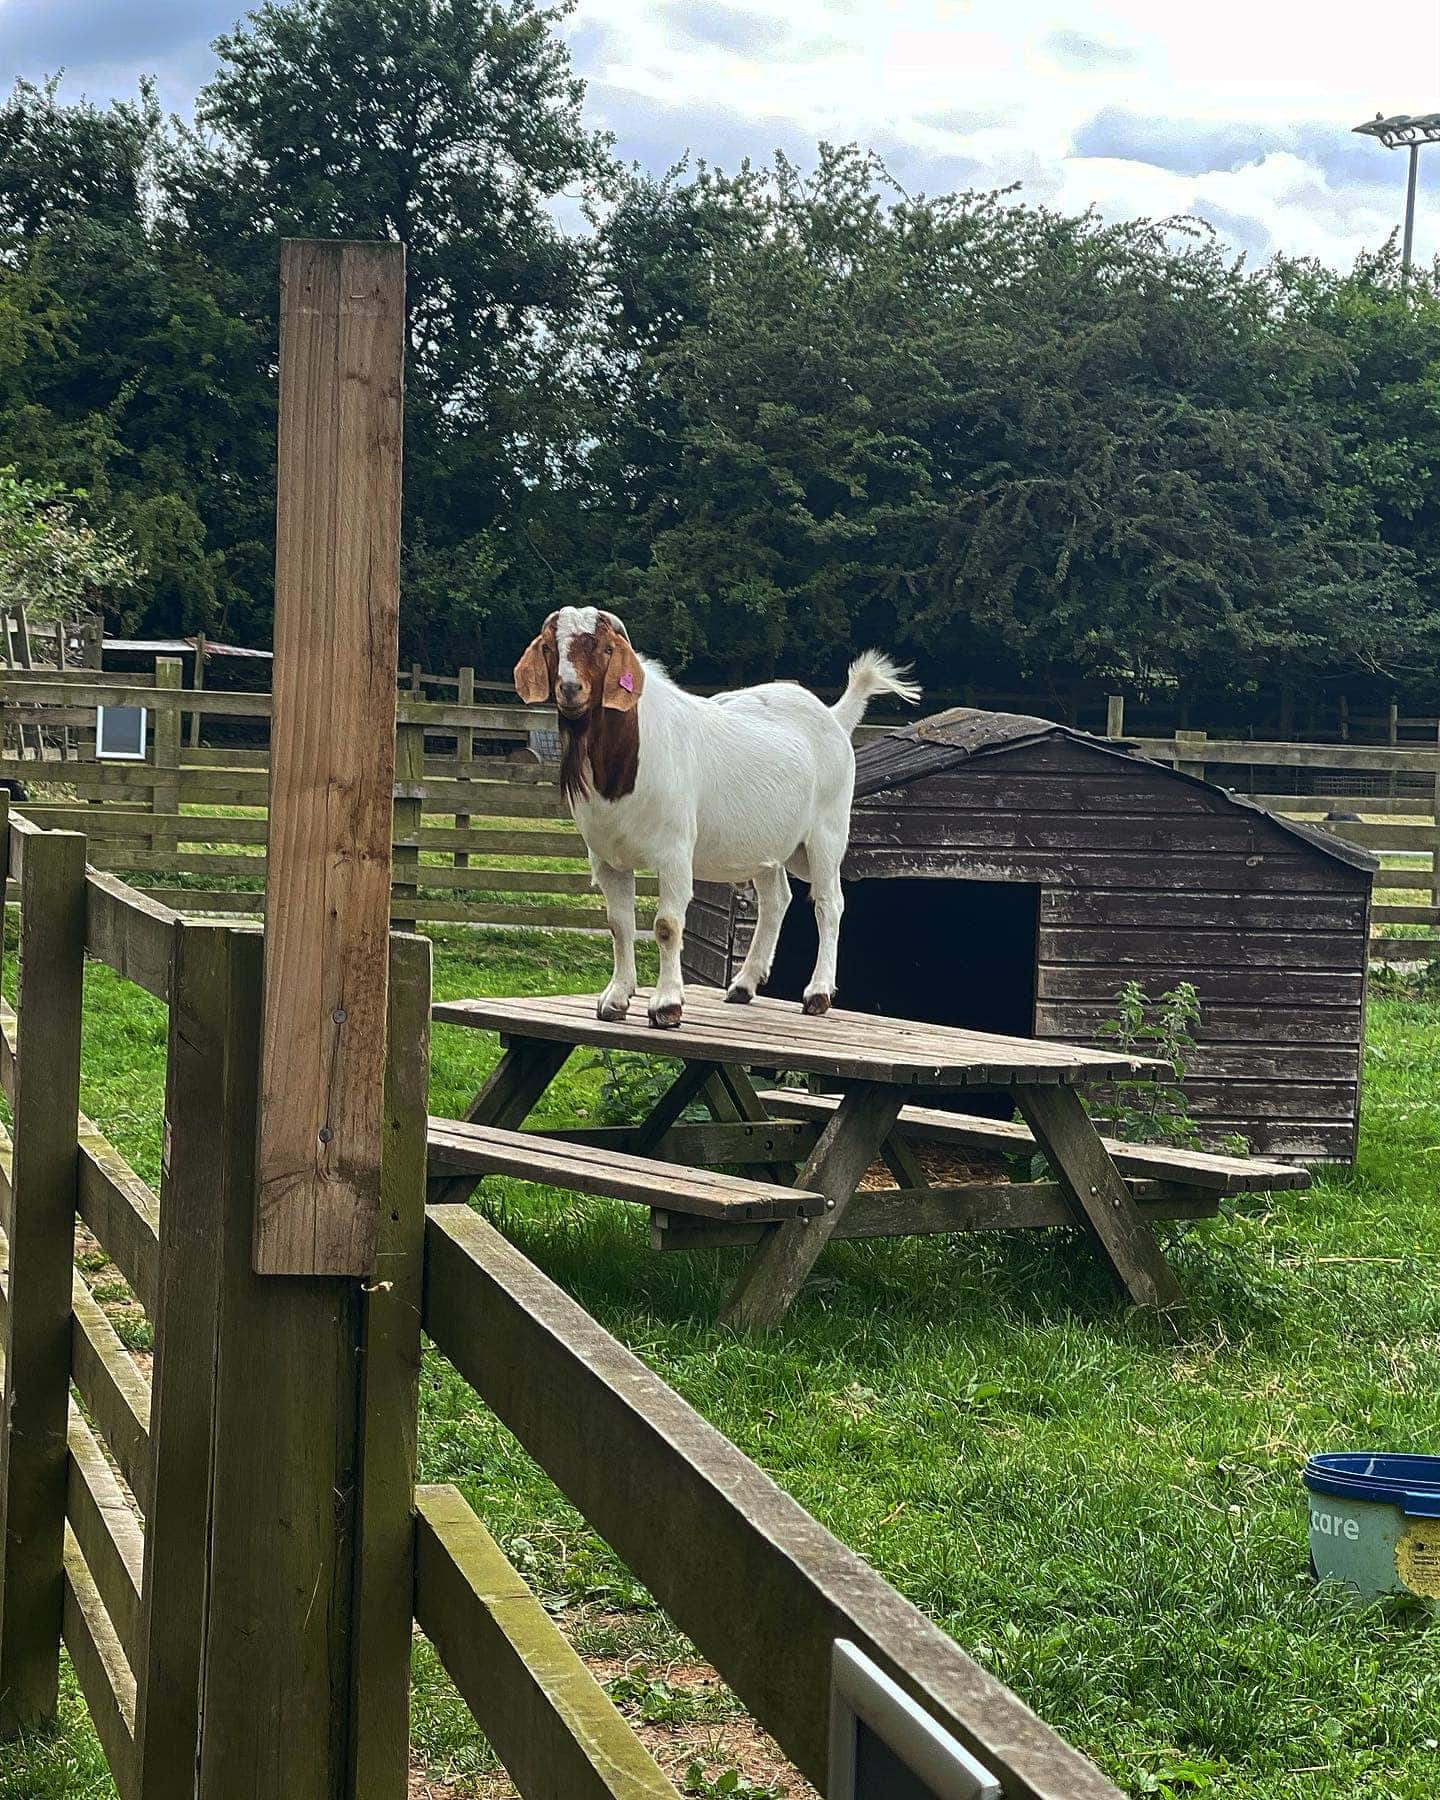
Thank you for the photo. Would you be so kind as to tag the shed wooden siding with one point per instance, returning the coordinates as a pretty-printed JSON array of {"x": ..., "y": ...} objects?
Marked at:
[{"x": 1162, "y": 880}]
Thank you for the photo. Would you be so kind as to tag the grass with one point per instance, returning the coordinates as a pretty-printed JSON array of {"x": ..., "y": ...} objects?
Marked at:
[{"x": 1111, "y": 1523}]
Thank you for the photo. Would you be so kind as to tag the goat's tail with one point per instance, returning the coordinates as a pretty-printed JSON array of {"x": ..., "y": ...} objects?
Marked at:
[{"x": 871, "y": 673}]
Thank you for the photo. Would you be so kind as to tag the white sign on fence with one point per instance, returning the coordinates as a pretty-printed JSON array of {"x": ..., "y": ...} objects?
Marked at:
[
  {"x": 120, "y": 733},
  {"x": 885, "y": 1747}
]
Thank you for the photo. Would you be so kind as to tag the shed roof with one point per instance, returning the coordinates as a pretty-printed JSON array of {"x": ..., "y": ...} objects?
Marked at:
[{"x": 945, "y": 740}]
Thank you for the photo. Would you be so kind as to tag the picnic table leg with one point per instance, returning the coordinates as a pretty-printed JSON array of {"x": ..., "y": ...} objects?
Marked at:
[
  {"x": 517, "y": 1081},
  {"x": 777, "y": 1269},
  {"x": 667, "y": 1109},
  {"x": 733, "y": 1096},
  {"x": 1099, "y": 1196}
]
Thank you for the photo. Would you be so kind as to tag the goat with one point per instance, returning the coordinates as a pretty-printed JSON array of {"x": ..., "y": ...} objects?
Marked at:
[{"x": 742, "y": 787}]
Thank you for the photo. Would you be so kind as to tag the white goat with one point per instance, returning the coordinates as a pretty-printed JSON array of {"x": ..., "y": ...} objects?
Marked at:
[{"x": 741, "y": 787}]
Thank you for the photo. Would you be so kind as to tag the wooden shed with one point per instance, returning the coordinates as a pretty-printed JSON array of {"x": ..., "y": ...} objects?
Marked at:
[{"x": 1010, "y": 874}]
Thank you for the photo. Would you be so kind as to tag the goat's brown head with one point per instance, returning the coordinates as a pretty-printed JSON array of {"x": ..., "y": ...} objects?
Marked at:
[{"x": 582, "y": 658}]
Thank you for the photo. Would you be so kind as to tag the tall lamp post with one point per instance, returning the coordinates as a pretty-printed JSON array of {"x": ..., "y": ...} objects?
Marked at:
[{"x": 1405, "y": 131}]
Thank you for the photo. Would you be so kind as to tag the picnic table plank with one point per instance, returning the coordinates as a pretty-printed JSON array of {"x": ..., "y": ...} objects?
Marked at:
[
  {"x": 486, "y": 1150},
  {"x": 848, "y": 1046},
  {"x": 1208, "y": 1169}
]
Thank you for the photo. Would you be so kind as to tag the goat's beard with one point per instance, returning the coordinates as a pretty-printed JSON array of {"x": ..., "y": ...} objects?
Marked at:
[{"x": 599, "y": 745}]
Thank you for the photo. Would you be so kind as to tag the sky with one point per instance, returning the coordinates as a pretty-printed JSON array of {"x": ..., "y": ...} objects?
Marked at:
[{"x": 1238, "y": 111}]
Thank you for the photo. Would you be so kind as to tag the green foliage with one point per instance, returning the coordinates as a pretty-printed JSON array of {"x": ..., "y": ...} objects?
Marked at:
[
  {"x": 630, "y": 1086},
  {"x": 771, "y": 414},
  {"x": 704, "y": 1786},
  {"x": 1149, "y": 1109},
  {"x": 51, "y": 560},
  {"x": 1108, "y": 1520}
]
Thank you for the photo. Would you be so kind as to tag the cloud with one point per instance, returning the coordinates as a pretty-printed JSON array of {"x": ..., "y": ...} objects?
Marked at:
[
  {"x": 104, "y": 46},
  {"x": 1183, "y": 146},
  {"x": 1243, "y": 230},
  {"x": 730, "y": 28},
  {"x": 658, "y": 136},
  {"x": 1078, "y": 50}
]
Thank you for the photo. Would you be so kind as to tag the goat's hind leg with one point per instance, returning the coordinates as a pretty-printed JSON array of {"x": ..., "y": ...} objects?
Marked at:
[
  {"x": 772, "y": 885},
  {"x": 618, "y": 887},
  {"x": 829, "y": 899}
]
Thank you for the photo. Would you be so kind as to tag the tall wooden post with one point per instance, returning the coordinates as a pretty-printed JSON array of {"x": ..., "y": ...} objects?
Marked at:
[
  {"x": 165, "y": 801},
  {"x": 1114, "y": 715},
  {"x": 332, "y": 757},
  {"x": 465, "y": 755},
  {"x": 196, "y": 716},
  {"x": 409, "y": 793},
  {"x": 41, "y": 1230}
]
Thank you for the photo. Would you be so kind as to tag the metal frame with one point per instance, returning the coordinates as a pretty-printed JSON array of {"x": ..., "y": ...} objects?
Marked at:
[
  {"x": 861, "y": 1693},
  {"x": 104, "y": 755}
]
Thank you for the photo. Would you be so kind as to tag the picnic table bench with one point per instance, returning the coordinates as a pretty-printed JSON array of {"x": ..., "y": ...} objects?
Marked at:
[{"x": 886, "y": 1069}]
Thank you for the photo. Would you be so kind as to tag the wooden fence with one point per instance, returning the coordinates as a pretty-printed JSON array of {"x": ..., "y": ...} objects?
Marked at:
[
  {"x": 255, "y": 1636},
  {"x": 479, "y": 834},
  {"x": 1398, "y": 787}
]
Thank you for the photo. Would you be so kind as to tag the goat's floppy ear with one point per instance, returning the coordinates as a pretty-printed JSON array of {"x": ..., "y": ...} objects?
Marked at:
[
  {"x": 624, "y": 678},
  {"x": 532, "y": 674}
]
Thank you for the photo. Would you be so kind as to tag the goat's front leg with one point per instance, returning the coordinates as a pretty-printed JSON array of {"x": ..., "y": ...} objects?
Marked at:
[
  {"x": 667, "y": 1005},
  {"x": 618, "y": 887},
  {"x": 772, "y": 886}
]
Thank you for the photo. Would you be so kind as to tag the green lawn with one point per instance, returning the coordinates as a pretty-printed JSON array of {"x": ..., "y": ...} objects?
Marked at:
[{"x": 1113, "y": 1524}]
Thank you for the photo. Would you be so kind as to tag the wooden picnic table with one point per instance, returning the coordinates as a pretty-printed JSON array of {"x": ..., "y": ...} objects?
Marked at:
[{"x": 880, "y": 1064}]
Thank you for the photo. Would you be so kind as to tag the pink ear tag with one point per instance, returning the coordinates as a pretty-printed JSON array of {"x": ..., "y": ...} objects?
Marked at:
[{"x": 627, "y": 681}]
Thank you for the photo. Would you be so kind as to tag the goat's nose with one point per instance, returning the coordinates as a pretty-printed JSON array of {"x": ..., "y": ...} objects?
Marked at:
[{"x": 568, "y": 693}]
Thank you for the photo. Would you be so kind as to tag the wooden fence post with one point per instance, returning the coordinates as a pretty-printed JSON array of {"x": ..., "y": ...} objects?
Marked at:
[
  {"x": 389, "y": 1403},
  {"x": 1115, "y": 715},
  {"x": 1435, "y": 852},
  {"x": 193, "y": 1176},
  {"x": 41, "y": 1231},
  {"x": 275, "y": 1721},
  {"x": 409, "y": 792},
  {"x": 166, "y": 801},
  {"x": 465, "y": 755},
  {"x": 196, "y": 716},
  {"x": 1190, "y": 752},
  {"x": 337, "y": 609}
]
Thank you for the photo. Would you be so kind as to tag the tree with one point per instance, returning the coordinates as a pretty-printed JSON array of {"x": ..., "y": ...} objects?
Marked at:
[
  {"x": 451, "y": 125},
  {"x": 1003, "y": 440},
  {"x": 51, "y": 561}
]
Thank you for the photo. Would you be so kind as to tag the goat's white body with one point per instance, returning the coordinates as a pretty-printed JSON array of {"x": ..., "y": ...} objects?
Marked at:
[
  {"x": 739, "y": 787},
  {"x": 740, "y": 780}
]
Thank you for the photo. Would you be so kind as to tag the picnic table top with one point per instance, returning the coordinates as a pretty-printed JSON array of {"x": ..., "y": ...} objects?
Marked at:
[{"x": 776, "y": 1034}]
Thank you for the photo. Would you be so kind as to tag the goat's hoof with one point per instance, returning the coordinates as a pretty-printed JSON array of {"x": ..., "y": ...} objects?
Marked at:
[
  {"x": 666, "y": 1018},
  {"x": 816, "y": 1005},
  {"x": 740, "y": 996},
  {"x": 611, "y": 1012}
]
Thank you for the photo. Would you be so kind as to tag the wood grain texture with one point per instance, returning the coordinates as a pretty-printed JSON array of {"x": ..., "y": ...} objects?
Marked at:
[
  {"x": 107, "y": 1530},
  {"x": 100, "y": 1666},
  {"x": 277, "y": 1681},
  {"x": 858, "y": 1046},
  {"x": 193, "y": 1183},
  {"x": 547, "y": 1718},
  {"x": 333, "y": 748},
  {"x": 1099, "y": 1197},
  {"x": 41, "y": 1231},
  {"x": 389, "y": 1400},
  {"x": 1155, "y": 1162},
  {"x": 776, "y": 1272},
  {"x": 585, "y": 1169}
]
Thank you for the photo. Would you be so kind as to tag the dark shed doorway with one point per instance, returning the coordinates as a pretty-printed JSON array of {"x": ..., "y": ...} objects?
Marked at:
[{"x": 950, "y": 952}]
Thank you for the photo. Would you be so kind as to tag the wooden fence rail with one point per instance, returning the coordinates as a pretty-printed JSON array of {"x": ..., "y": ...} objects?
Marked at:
[
  {"x": 471, "y": 825},
  {"x": 236, "y": 1645}
]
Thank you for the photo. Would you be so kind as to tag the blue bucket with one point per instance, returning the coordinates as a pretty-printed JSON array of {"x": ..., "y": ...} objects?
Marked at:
[{"x": 1375, "y": 1523}]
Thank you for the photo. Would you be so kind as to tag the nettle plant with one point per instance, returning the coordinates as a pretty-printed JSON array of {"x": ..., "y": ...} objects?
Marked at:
[{"x": 1152, "y": 1109}]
